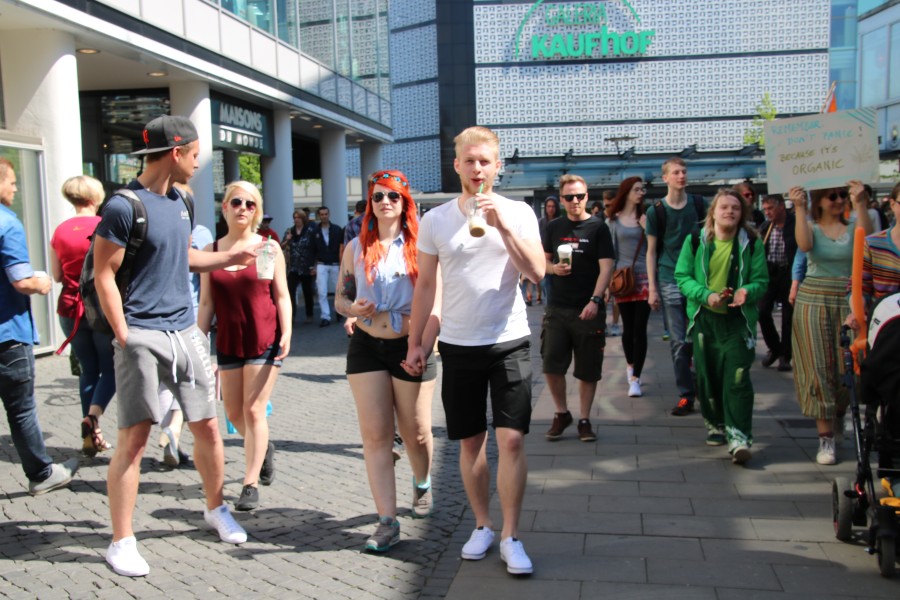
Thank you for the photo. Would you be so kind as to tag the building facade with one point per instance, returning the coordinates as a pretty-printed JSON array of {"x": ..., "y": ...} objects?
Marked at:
[{"x": 879, "y": 72}]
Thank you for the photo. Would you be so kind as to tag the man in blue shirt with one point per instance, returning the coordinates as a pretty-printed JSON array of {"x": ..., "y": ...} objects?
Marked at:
[{"x": 17, "y": 335}]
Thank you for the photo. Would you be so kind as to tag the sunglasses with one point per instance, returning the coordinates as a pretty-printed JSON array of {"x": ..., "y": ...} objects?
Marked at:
[
  {"x": 238, "y": 202},
  {"x": 379, "y": 196},
  {"x": 834, "y": 196},
  {"x": 572, "y": 197}
]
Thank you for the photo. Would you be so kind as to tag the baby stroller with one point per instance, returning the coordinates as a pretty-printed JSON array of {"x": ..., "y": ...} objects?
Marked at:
[{"x": 860, "y": 503}]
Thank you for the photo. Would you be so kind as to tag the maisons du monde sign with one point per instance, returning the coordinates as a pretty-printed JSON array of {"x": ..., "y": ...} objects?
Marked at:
[{"x": 581, "y": 30}]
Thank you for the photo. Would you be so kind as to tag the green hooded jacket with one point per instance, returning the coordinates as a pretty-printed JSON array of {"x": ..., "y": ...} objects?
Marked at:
[{"x": 691, "y": 274}]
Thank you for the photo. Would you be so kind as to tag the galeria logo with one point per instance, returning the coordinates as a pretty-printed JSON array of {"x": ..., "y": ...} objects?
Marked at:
[{"x": 599, "y": 43}]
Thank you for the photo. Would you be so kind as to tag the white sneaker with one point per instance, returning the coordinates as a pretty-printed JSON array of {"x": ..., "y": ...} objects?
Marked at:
[
  {"x": 124, "y": 558},
  {"x": 513, "y": 554},
  {"x": 826, "y": 454},
  {"x": 221, "y": 520},
  {"x": 479, "y": 543},
  {"x": 634, "y": 389}
]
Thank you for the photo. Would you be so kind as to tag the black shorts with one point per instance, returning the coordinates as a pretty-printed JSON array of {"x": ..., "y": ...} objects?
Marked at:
[
  {"x": 227, "y": 361},
  {"x": 368, "y": 353},
  {"x": 564, "y": 334},
  {"x": 469, "y": 370}
]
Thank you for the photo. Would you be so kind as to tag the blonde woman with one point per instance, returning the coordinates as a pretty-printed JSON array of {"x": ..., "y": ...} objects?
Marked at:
[
  {"x": 68, "y": 247},
  {"x": 253, "y": 317}
]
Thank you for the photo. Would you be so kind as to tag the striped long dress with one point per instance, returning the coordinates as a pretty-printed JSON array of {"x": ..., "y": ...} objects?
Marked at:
[{"x": 820, "y": 309}]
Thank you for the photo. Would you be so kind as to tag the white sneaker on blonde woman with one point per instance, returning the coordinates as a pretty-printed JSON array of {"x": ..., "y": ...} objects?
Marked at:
[
  {"x": 634, "y": 388},
  {"x": 512, "y": 551},
  {"x": 124, "y": 558},
  {"x": 223, "y": 522}
]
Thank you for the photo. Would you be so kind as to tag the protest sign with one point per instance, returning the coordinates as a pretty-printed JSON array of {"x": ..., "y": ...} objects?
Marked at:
[{"x": 821, "y": 151}]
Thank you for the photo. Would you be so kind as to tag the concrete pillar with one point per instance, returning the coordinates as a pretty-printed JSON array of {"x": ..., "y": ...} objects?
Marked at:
[
  {"x": 369, "y": 162},
  {"x": 333, "y": 147},
  {"x": 40, "y": 94},
  {"x": 278, "y": 175},
  {"x": 191, "y": 99},
  {"x": 232, "y": 165}
]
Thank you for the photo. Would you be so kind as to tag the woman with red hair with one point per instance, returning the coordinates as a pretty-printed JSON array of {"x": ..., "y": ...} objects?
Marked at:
[{"x": 378, "y": 272}]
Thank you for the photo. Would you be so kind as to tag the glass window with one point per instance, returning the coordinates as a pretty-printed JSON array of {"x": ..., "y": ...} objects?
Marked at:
[
  {"x": 343, "y": 39},
  {"x": 29, "y": 208},
  {"x": 287, "y": 22},
  {"x": 873, "y": 67},
  {"x": 238, "y": 7},
  {"x": 2, "y": 114},
  {"x": 895, "y": 61},
  {"x": 256, "y": 12},
  {"x": 843, "y": 23},
  {"x": 867, "y": 5}
]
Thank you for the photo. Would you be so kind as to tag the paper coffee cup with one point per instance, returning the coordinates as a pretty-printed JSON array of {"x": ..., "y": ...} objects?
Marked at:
[
  {"x": 265, "y": 263},
  {"x": 565, "y": 254},
  {"x": 475, "y": 218}
]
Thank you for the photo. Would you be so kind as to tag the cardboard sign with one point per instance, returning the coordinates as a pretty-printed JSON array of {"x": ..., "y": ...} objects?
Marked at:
[{"x": 822, "y": 151}]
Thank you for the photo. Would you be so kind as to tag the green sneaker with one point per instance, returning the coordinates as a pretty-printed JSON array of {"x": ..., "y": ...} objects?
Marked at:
[
  {"x": 387, "y": 534},
  {"x": 716, "y": 438}
]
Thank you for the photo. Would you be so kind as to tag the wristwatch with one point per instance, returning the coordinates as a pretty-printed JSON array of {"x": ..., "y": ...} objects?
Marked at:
[{"x": 596, "y": 299}]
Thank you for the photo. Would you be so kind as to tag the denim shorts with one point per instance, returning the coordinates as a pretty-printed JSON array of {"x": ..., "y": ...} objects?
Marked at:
[
  {"x": 367, "y": 354},
  {"x": 227, "y": 362}
]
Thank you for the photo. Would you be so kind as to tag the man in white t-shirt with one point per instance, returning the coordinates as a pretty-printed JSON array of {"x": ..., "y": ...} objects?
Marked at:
[{"x": 485, "y": 338}]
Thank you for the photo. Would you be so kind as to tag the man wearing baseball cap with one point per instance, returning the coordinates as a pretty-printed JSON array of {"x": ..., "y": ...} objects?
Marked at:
[
  {"x": 265, "y": 229},
  {"x": 156, "y": 337}
]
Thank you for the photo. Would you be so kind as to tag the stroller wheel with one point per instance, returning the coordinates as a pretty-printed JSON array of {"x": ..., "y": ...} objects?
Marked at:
[
  {"x": 887, "y": 556},
  {"x": 842, "y": 509}
]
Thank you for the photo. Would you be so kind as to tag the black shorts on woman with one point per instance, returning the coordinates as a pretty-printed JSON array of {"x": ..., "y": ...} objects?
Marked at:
[{"x": 367, "y": 354}]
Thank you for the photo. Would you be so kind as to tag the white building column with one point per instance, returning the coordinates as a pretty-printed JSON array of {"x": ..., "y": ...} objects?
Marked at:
[
  {"x": 278, "y": 174},
  {"x": 191, "y": 99},
  {"x": 333, "y": 147},
  {"x": 40, "y": 93},
  {"x": 369, "y": 162}
]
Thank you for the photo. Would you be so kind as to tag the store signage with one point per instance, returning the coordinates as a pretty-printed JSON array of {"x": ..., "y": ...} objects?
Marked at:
[
  {"x": 585, "y": 32},
  {"x": 241, "y": 128}
]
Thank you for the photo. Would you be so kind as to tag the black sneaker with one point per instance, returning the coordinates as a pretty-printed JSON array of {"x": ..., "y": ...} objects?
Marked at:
[
  {"x": 769, "y": 359},
  {"x": 784, "y": 365},
  {"x": 267, "y": 470},
  {"x": 249, "y": 499},
  {"x": 684, "y": 407},
  {"x": 324, "y": 323},
  {"x": 560, "y": 422}
]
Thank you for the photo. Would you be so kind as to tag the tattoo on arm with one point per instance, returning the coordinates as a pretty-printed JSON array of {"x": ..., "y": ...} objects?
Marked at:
[{"x": 348, "y": 286}]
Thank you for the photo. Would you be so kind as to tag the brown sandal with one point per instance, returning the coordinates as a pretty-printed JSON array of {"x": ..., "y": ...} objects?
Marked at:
[{"x": 92, "y": 437}]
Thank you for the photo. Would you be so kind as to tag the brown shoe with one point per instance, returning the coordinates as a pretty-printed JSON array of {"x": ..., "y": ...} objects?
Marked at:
[
  {"x": 560, "y": 422},
  {"x": 586, "y": 431},
  {"x": 784, "y": 365}
]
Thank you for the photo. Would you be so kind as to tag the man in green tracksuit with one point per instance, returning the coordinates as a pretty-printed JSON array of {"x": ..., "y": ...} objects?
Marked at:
[{"x": 722, "y": 273}]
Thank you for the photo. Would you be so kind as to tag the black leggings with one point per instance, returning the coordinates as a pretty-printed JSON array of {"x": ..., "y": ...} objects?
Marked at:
[
  {"x": 306, "y": 282},
  {"x": 634, "y": 332}
]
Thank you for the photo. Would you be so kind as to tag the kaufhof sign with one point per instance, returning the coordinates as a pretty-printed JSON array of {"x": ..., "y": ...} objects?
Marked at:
[
  {"x": 581, "y": 30},
  {"x": 240, "y": 127}
]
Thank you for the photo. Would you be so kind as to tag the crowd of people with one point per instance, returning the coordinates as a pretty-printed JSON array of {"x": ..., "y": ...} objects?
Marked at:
[{"x": 457, "y": 281}]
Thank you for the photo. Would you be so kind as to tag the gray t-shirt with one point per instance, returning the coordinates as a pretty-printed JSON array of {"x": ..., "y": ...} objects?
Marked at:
[
  {"x": 625, "y": 241},
  {"x": 156, "y": 297}
]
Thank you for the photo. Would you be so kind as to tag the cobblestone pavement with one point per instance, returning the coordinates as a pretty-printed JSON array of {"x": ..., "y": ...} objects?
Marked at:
[{"x": 646, "y": 512}]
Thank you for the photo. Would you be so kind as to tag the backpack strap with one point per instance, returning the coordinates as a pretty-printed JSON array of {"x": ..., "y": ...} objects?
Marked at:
[
  {"x": 135, "y": 238},
  {"x": 188, "y": 203},
  {"x": 660, "y": 212}
]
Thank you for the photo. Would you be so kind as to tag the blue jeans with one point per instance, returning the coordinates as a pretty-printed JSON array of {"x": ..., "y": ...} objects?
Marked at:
[
  {"x": 675, "y": 311},
  {"x": 17, "y": 392},
  {"x": 97, "y": 384}
]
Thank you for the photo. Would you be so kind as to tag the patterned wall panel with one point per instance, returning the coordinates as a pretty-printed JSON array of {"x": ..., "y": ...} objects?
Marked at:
[
  {"x": 600, "y": 91},
  {"x": 416, "y": 111},
  {"x": 420, "y": 162},
  {"x": 592, "y": 139},
  {"x": 414, "y": 55},
  {"x": 410, "y": 12},
  {"x": 682, "y": 27}
]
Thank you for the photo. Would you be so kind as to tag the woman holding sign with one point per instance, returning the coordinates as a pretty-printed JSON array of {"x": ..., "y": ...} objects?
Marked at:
[
  {"x": 253, "y": 316},
  {"x": 821, "y": 306}
]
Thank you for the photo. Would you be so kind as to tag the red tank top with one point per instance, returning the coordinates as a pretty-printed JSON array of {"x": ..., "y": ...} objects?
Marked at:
[{"x": 247, "y": 321}]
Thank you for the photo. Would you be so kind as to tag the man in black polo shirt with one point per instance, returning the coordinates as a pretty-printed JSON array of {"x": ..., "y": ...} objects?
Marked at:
[
  {"x": 575, "y": 320},
  {"x": 328, "y": 245}
]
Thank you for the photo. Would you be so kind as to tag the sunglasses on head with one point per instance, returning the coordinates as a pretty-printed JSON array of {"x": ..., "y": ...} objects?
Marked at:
[
  {"x": 833, "y": 196},
  {"x": 238, "y": 202},
  {"x": 392, "y": 196},
  {"x": 571, "y": 197}
]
